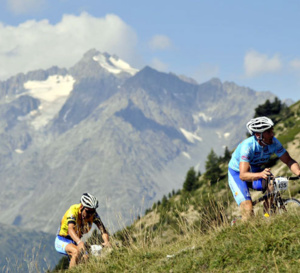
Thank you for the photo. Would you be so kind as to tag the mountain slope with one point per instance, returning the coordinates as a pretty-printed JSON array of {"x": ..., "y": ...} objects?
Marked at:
[
  {"x": 266, "y": 246},
  {"x": 26, "y": 250},
  {"x": 189, "y": 231},
  {"x": 126, "y": 136}
]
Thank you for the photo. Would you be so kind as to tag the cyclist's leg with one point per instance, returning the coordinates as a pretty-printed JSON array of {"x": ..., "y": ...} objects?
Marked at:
[
  {"x": 241, "y": 194},
  {"x": 61, "y": 243},
  {"x": 73, "y": 251},
  {"x": 67, "y": 247},
  {"x": 246, "y": 209}
]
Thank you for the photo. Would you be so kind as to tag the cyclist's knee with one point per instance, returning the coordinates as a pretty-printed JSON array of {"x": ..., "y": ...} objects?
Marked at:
[
  {"x": 76, "y": 253},
  {"x": 247, "y": 204},
  {"x": 72, "y": 250}
]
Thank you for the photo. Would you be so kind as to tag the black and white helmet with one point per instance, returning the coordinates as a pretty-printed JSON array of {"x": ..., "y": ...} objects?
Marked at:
[
  {"x": 89, "y": 201},
  {"x": 259, "y": 125}
]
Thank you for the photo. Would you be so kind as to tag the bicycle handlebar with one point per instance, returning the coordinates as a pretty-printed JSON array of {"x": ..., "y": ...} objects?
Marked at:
[
  {"x": 294, "y": 178},
  {"x": 270, "y": 177},
  {"x": 268, "y": 195}
]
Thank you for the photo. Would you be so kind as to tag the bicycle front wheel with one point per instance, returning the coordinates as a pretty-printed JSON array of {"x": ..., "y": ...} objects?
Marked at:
[{"x": 291, "y": 204}]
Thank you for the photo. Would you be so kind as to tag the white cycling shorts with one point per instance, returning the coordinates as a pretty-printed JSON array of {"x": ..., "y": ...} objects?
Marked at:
[{"x": 61, "y": 243}]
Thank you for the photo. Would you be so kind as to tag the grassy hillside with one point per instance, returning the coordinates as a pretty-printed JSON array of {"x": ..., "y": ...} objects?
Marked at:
[
  {"x": 262, "y": 245},
  {"x": 189, "y": 230},
  {"x": 288, "y": 128}
]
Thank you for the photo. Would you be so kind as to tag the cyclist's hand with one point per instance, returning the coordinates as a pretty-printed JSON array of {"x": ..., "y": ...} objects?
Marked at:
[
  {"x": 106, "y": 244},
  {"x": 81, "y": 247},
  {"x": 265, "y": 173}
]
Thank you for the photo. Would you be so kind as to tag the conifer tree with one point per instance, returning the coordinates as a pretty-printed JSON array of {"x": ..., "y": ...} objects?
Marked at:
[
  {"x": 272, "y": 110},
  {"x": 227, "y": 155},
  {"x": 191, "y": 179},
  {"x": 213, "y": 170},
  {"x": 164, "y": 201}
]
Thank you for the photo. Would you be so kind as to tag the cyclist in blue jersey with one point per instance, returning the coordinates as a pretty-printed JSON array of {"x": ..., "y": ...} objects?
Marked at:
[{"x": 244, "y": 169}]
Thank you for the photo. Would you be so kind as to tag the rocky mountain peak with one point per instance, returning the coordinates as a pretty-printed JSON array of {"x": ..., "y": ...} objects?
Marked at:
[
  {"x": 114, "y": 64},
  {"x": 116, "y": 132},
  {"x": 95, "y": 64}
]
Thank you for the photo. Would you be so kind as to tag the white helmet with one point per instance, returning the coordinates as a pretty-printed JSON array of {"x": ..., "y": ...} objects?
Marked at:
[
  {"x": 89, "y": 201},
  {"x": 259, "y": 125}
]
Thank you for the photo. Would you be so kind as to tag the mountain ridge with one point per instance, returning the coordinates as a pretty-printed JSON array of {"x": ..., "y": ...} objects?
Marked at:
[{"x": 125, "y": 138}]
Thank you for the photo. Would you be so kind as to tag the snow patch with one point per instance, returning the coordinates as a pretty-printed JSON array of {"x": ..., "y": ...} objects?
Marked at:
[
  {"x": 202, "y": 116},
  {"x": 190, "y": 136},
  {"x": 221, "y": 136},
  {"x": 197, "y": 167},
  {"x": 65, "y": 116},
  {"x": 186, "y": 155},
  {"x": 114, "y": 65},
  {"x": 226, "y": 135},
  {"x": 52, "y": 94}
]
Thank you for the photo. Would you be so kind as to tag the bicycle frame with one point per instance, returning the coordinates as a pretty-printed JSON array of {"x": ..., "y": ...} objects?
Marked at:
[{"x": 274, "y": 196}]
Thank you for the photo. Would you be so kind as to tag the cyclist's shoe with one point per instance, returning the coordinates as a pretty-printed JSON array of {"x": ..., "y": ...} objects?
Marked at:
[{"x": 233, "y": 222}]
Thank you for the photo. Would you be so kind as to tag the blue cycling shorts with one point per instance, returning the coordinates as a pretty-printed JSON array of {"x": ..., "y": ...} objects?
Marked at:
[
  {"x": 240, "y": 188},
  {"x": 61, "y": 243}
]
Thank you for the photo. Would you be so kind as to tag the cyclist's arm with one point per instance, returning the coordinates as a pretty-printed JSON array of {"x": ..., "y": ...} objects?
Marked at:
[
  {"x": 74, "y": 236},
  {"x": 246, "y": 175},
  {"x": 291, "y": 163},
  {"x": 104, "y": 233},
  {"x": 105, "y": 238}
]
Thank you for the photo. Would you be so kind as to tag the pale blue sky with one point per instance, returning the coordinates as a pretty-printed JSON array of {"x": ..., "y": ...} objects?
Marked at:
[{"x": 252, "y": 43}]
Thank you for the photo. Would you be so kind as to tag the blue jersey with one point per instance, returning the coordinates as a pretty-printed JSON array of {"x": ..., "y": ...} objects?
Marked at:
[{"x": 250, "y": 151}]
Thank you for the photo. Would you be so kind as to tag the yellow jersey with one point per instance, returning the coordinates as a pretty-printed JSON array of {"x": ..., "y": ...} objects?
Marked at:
[{"x": 81, "y": 227}]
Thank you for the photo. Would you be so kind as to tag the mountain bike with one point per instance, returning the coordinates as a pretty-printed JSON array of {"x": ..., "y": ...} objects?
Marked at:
[{"x": 277, "y": 203}]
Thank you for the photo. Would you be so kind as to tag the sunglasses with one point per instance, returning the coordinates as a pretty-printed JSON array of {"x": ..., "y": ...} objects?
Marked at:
[{"x": 89, "y": 211}]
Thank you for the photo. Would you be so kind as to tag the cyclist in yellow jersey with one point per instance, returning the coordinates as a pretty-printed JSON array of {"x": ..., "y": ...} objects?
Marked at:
[{"x": 77, "y": 221}]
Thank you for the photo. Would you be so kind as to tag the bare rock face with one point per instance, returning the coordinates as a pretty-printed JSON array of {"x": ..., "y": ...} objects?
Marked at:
[{"x": 103, "y": 127}]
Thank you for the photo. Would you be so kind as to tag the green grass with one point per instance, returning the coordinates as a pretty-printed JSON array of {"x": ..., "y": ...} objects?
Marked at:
[
  {"x": 289, "y": 127},
  {"x": 260, "y": 245},
  {"x": 209, "y": 244},
  {"x": 290, "y": 135},
  {"x": 172, "y": 243}
]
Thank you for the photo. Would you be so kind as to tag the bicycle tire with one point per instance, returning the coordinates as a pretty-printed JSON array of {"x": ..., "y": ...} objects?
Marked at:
[{"x": 290, "y": 204}]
